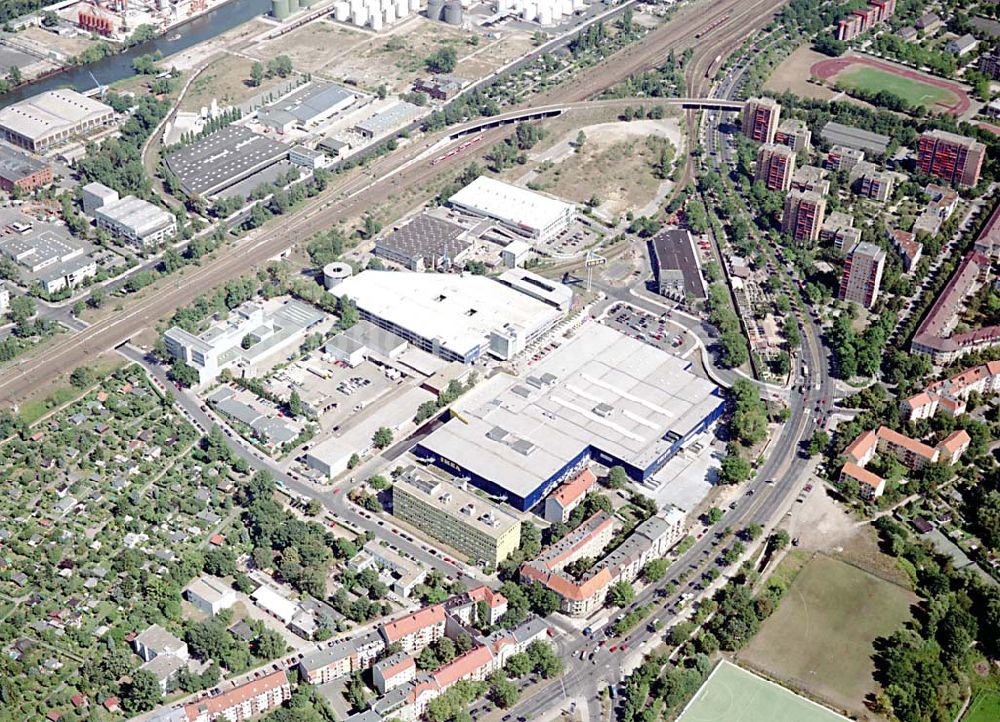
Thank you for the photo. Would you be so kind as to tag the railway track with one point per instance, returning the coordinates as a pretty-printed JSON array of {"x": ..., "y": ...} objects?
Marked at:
[{"x": 384, "y": 179}]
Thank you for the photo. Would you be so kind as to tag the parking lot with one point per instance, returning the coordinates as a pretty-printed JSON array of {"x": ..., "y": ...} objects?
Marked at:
[{"x": 658, "y": 331}]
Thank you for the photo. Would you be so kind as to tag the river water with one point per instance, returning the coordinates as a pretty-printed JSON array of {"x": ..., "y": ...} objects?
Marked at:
[{"x": 117, "y": 67}]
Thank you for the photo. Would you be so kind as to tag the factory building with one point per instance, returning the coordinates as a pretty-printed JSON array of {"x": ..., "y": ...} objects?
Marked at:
[
  {"x": 223, "y": 159},
  {"x": 520, "y": 211},
  {"x": 479, "y": 529},
  {"x": 273, "y": 329},
  {"x": 457, "y": 317},
  {"x": 51, "y": 118},
  {"x": 21, "y": 171},
  {"x": 306, "y": 106},
  {"x": 425, "y": 242},
  {"x": 600, "y": 396},
  {"x": 676, "y": 266},
  {"x": 137, "y": 222}
]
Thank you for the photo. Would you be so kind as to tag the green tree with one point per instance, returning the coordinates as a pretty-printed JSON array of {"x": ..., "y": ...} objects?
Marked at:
[
  {"x": 183, "y": 374},
  {"x": 442, "y": 60},
  {"x": 714, "y": 515},
  {"x": 617, "y": 477},
  {"x": 620, "y": 594},
  {"x": 142, "y": 693},
  {"x": 82, "y": 377},
  {"x": 734, "y": 469},
  {"x": 655, "y": 570},
  {"x": 382, "y": 437}
]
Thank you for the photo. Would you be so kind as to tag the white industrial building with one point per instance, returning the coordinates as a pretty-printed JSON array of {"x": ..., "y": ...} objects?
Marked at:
[
  {"x": 210, "y": 594},
  {"x": 137, "y": 222},
  {"x": 600, "y": 396},
  {"x": 519, "y": 210},
  {"x": 457, "y": 317},
  {"x": 97, "y": 195},
  {"x": 58, "y": 263},
  {"x": 274, "y": 329},
  {"x": 51, "y": 118},
  {"x": 306, "y": 106}
]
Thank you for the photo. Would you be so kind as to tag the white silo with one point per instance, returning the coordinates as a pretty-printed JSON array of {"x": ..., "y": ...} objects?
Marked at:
[
  {"x": 414, "y": 6},
  {"x": 402, "y": 8},
  {"x": 529, "y": 11},
  {"x": 376, "y": 22},
  {"x": 545, "y": 14},
  {"x": 360, "y": 16},
  {"x": 342, "y": 11},
  {"x": 389, "y": 15},
  {"x": 335, "y": 273},
  {"x": 567, "y": 7},
  {"x": 579, "y": 4}
]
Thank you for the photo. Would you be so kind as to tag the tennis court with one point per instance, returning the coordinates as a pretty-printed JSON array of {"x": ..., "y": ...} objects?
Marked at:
[{"x": 731, "y": 694}]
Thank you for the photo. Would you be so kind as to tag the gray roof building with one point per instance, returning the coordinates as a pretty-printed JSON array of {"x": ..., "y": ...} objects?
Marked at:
[
  {"x": 310, "y": 103},
  {"x": 390, "y": 119},
  {"x": 223, "y": 159},
  {"x": 675, "y": 264},
  {"x": 840, "y": 134},
  {"x": 424, "y": 242}
]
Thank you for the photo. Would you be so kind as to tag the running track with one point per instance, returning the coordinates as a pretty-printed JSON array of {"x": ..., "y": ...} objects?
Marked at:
[{"x": 826, "y": 69}]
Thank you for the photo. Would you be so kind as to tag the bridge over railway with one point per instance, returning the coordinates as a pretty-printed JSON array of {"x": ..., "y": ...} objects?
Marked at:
[{"x": 551, "y": 111}]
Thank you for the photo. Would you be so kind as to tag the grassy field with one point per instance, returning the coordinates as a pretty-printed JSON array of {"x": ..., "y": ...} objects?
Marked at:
[
  {"x": 732, "y": 694},
  {"x": 913, "y": 91},
  {"x": 820, "y": 638},
  {"x": 984, "y": 708}
]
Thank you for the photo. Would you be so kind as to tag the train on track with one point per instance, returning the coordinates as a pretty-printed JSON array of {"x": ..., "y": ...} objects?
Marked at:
[
  {"x": 711, "y": 26},
  {"x": 459, "y": 149}
]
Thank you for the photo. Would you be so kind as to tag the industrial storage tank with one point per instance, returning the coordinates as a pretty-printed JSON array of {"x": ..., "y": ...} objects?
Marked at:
[
  {"x": 376, "y": 21},
  {"x": 342, "y": 11},
  {"x": 293, "y": 6},
  {"x": 334, "y": 273},
  {"x": 453, "y": 13},
  {"x": 414, "y": 6},
  {"x": 279, "y": 9},
  {"x": 435, "y": 9}
]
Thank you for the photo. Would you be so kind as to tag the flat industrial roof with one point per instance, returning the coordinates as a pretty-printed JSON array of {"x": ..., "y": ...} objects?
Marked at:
[
  {"x": 601, "y": 389},
  {"x": 307, "y": 102},
  {"x": 674, "y": 251},
  {"x": 15, "y": 165},
  {"x": 460, "y": 311},
  {"x": 390, "y": 119},
  {"x": 51, "y": 112},
  {"x": 425, "y": 237},
  {"x": 141, "y": 216},
  {"x": 840, "y": 134},
  {"x": 511, "y": 204},
  {"x": 476, "y": 512},
  {"x": 223, "y": 158}
]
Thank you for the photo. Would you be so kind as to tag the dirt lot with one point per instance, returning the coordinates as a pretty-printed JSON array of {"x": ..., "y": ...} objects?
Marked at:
[
  {"x": 64, "y": 44},
  {"x": 793, "y": 75},
  {"x": 395, "y": 57},
  {"x": 820, "y": 638},
  {"x": 226, "y": 80},
  {"x": 822, "y": 525},
  {"x": 615, "y": 164}
]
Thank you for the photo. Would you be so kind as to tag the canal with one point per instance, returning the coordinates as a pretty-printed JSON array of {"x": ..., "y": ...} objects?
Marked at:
[{"x": 117, "y": 67}]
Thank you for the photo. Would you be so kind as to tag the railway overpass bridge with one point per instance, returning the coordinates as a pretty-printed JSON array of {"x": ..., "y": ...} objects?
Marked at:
[{"x": 551, "y": 111}]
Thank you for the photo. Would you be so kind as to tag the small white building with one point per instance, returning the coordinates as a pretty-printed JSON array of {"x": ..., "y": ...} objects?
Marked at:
[
  {"x": 97, "y": 195},
  {"x": 272, "y": 602},
  {"x": 515, "y": 254},
  {"x": 210, "y": 594},
  {"x": 137, "y": 222},
  {"x": 156, "y": 641}
]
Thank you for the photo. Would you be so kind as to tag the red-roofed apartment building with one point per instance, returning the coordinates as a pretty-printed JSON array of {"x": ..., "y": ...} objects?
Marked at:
[
  {"x": 248, "y": 700},
  {"x": 951, "y": 394},
  {"x": 913, "y": 454},
  {"x": 393, "y": 672},
  {"x": 569, "y": 496},
  {"x": 415, "y": 631}
]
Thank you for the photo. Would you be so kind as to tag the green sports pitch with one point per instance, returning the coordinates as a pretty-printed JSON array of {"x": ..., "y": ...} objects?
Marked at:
[
  {"x": 731, "y": 694},
  {"x": 912, "y": 91},
  {"x": 984, "y": 708}
]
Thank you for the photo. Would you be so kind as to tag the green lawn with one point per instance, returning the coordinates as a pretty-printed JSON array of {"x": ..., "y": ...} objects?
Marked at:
[
  {"x": 913, "y": 91},
  {"x": 984, "y": 708},
  {"x": 820, "y": 638},
  {"x": 731, "y": 694}
]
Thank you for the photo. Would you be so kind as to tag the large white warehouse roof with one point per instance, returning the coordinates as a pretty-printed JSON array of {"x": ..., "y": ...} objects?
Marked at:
[{"x": 512, "y": 205}]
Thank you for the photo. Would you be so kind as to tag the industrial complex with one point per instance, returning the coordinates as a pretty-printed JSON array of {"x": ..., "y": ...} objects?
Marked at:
[{"x": 600, "y": 396}]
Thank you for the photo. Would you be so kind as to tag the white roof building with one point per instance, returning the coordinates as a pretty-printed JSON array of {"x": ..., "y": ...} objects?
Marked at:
[
  {"x": 522, "y": 211},
  {"x": 210, "y": 594},
  {"x": 279, "y": 607},
  {"x": 457, "y": 317},
  {"x": 50, "y": 118},
  {"x": 139, "y": 222}
]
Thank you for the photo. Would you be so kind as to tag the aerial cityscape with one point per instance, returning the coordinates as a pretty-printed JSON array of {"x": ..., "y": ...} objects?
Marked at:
[{"x": 503, "y": 361}]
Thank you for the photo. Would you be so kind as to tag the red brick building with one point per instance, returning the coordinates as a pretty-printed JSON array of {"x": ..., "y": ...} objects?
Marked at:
[
  {"x": 21, "y": 170},
  {"x": 953, "y": 158}
]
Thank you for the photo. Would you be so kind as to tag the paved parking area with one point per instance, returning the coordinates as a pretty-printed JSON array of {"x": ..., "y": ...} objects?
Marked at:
[
  {"x": 657, "y": 331},
  {"x": 687, "y": 478}
]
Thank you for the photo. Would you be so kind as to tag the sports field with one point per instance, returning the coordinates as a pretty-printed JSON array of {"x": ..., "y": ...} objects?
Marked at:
[
  {"x": 731, "y": 694},
  {"x": 820, "y": 638},
  {"x": 984, "y": 708},
  {"x": 912, "y": 91}
]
